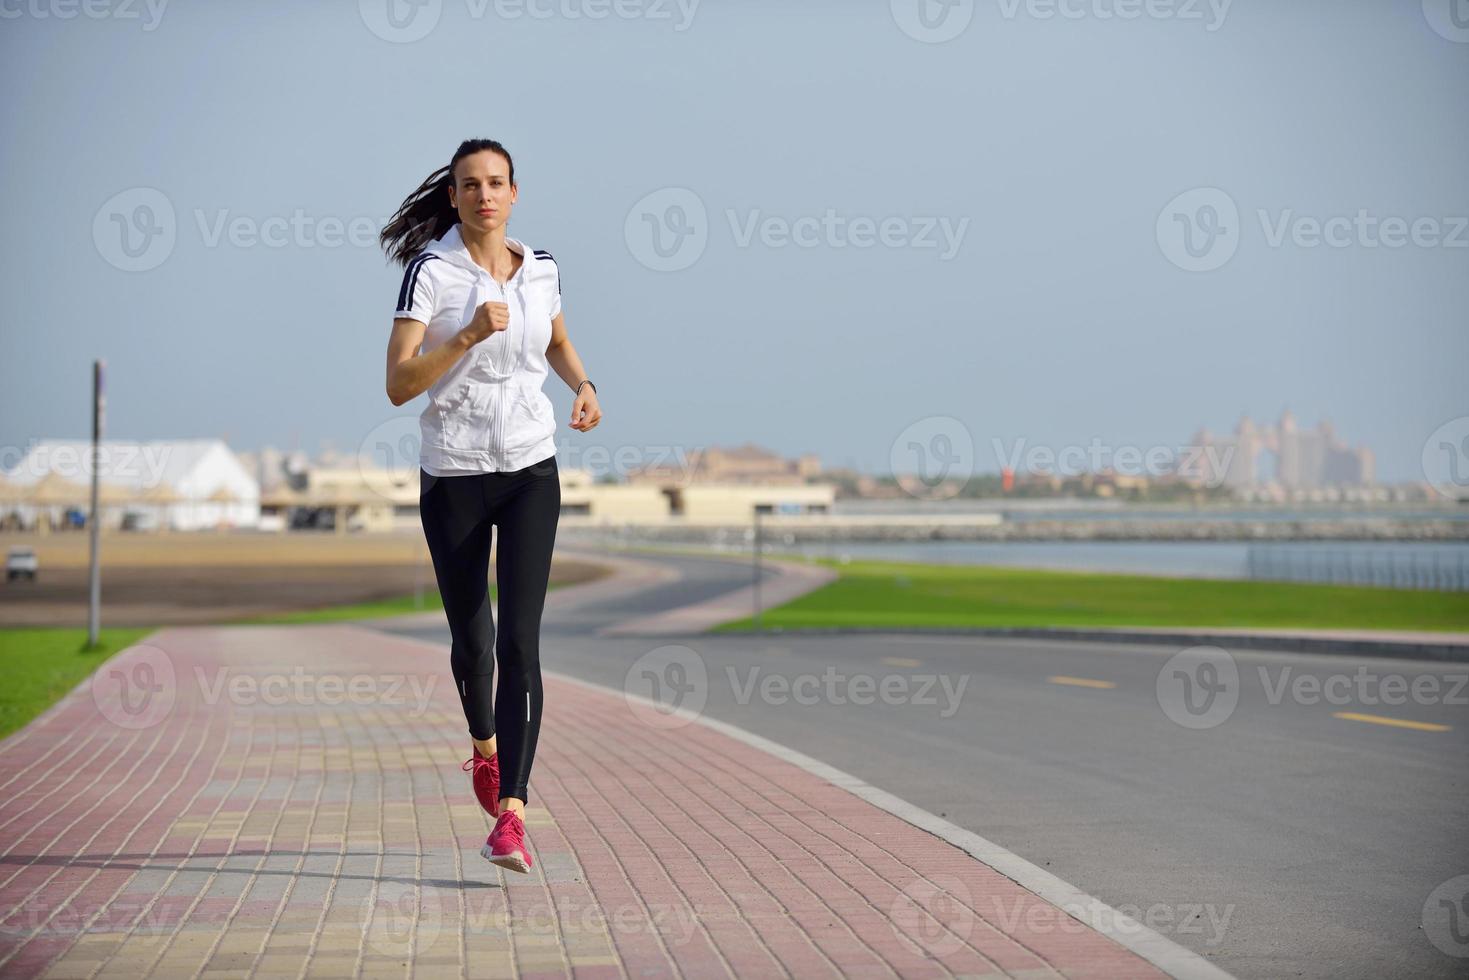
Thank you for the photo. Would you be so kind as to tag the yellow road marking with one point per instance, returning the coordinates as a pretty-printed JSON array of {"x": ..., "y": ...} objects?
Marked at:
[
  {"x": 901, "y": 661},
  {"x": 1421, "y": 726},
  {"x": 1079, "y": 681}
]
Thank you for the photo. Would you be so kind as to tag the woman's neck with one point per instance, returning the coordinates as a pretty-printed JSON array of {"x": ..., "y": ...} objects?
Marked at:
[{"x": 489, "y": 251}]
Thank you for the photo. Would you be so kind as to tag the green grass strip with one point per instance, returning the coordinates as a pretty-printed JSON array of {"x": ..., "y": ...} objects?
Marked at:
[
  {"x": 893, "y": 594},
  {"x": 41, "y": 665}
]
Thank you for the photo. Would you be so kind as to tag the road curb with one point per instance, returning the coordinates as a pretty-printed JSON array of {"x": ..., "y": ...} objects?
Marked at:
[
  {"x": 1174, "y": 959},
  {"x": 1366, "y": 646}
]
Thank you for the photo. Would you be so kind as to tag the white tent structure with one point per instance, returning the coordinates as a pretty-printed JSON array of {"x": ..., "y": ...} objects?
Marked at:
[{"x": 183, "y": 485}]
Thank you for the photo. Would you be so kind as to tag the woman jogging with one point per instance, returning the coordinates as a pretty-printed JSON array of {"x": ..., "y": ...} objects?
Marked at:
[{"x": 478, "y": 325}]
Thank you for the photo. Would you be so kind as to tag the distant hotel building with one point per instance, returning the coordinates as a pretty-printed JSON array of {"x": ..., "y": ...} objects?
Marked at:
[{"x": 1304, "y": 459}]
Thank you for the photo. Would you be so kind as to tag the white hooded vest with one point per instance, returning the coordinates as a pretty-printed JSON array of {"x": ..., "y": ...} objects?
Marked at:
[{"x": 487, "y": 413}]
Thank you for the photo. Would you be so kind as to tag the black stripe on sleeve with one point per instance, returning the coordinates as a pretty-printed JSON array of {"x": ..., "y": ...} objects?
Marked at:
[
  {"x": 410, "y": 280},
  {"x": 543, "y": 254}
]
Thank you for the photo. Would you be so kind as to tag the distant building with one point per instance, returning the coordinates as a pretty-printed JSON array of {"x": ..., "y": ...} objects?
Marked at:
[
  {"x": 586, "y": 501},
  {"x": 1110, "y": 483},
  {"x": 742, "y": 464},
  {"x": 1301, "y": 459},
  {"x": 269, "y": 465},
  {"x": 183, "y": 485},
  {"x": 714, "y": 485},
  {"x": 367, "y": 497},
  {"x": 734, "y": 503}
]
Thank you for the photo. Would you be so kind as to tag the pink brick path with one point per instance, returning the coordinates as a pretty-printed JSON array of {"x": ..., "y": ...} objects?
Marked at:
[{"x": 264, "y": 801}]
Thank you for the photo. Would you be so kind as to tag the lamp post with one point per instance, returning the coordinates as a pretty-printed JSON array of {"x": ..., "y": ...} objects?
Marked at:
[
  {"x": 94, "y": 574},
  {"x": 757, "y": 568}
]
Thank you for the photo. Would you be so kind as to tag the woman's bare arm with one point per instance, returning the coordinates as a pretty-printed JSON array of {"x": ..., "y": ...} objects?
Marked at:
[
  {"x": 411, "y": 373},
  {"x": 586, "y": 412}
]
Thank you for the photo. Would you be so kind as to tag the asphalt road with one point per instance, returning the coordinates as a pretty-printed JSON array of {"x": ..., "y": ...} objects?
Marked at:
[{"x": 1260, "y": 829}]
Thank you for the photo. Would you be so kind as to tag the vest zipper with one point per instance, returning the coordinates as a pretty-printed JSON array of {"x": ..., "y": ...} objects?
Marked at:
[{"x": 497, "y": 429}]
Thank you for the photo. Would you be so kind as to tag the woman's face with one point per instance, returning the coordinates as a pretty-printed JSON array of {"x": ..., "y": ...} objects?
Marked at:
[{"x": 482, "y": 193}]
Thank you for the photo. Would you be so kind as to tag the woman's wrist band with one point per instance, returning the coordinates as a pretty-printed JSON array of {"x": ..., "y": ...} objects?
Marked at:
[{"x": 586, "y": 381}]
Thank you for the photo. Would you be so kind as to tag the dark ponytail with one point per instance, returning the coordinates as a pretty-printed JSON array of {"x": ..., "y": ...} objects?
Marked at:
[{"x": 426, "y": 213}]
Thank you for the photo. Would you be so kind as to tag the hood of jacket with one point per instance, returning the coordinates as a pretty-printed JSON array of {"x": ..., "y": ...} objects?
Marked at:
[{"x": 450, "y": 246}]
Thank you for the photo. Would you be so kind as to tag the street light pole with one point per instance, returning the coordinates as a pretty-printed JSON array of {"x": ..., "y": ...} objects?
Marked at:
[
  {"x": 94, "y": 574},
  {"x": 757, "y": 568}
]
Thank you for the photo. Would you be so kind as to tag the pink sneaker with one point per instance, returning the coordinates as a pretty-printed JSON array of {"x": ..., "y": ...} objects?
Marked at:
[
  {"x": 506, "y": 843},
  {"x": 486, "y": 779}
]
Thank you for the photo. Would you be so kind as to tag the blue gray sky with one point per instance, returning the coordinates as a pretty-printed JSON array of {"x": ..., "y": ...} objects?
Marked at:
[{"x": 820, "y": 226}]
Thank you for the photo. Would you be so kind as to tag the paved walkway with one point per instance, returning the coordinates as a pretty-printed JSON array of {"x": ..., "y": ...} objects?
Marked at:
[{"x": 286, "y": 801}]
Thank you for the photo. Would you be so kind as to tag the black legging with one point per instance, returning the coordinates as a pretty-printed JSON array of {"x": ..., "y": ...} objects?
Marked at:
[{"x": 457, "y": 512}]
